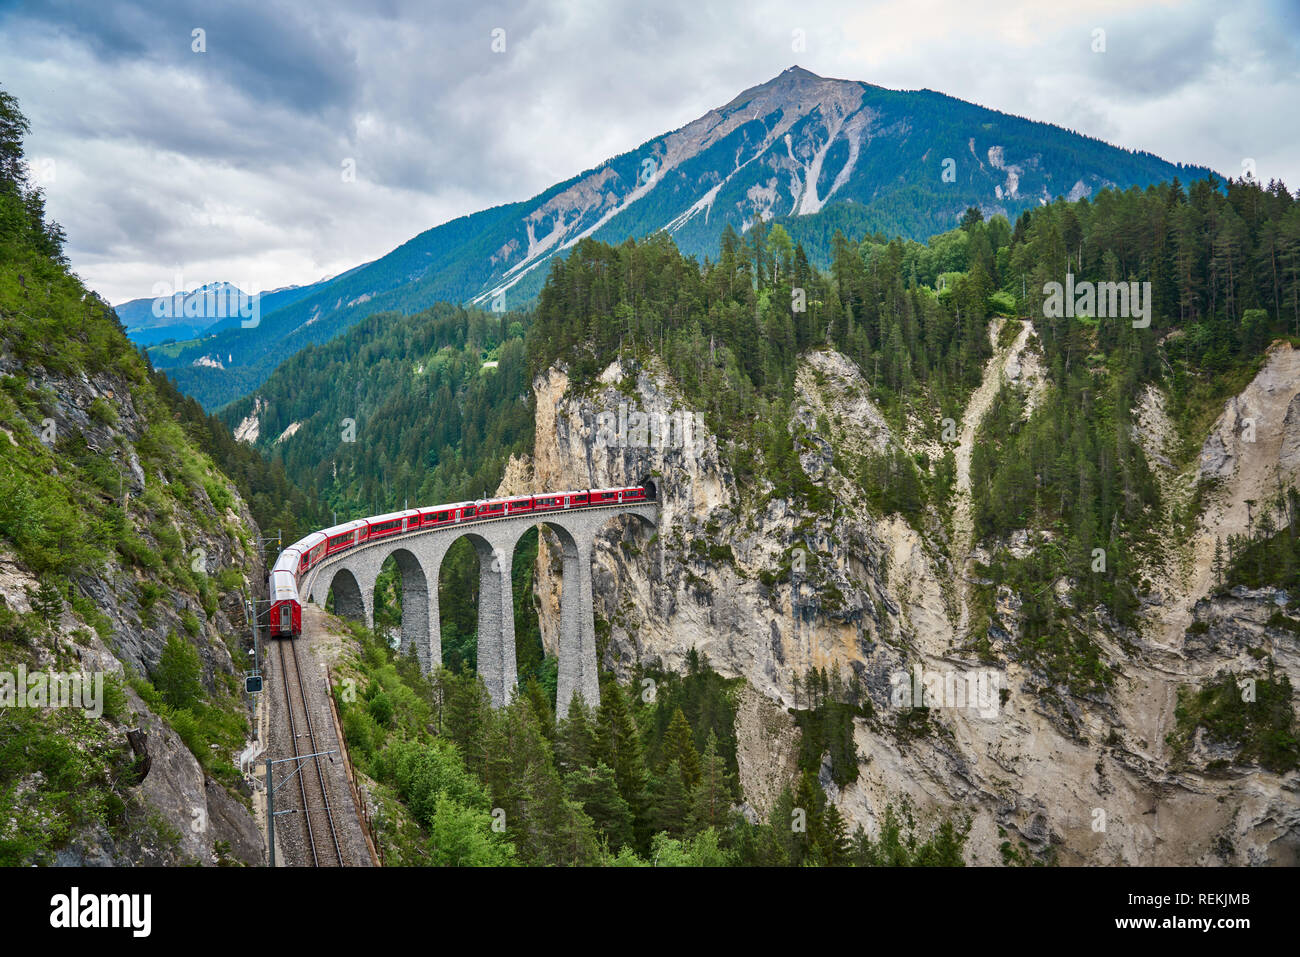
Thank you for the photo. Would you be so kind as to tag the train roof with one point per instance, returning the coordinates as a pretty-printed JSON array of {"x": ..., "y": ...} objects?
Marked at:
[
  {"x": 392, "y": 515},
  {"x": 345, "y": 527},
  {"x": 283, "y": 585},
  {"x": 287, "y": 562},
  {"x": 307, "y": 542}
]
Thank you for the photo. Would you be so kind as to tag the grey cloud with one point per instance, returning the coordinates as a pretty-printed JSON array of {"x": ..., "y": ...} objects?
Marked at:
[{"x": 273, "y": 51}]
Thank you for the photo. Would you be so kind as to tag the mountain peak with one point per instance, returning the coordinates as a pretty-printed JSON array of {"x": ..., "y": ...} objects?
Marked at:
[{"x": 784, "y": 149}]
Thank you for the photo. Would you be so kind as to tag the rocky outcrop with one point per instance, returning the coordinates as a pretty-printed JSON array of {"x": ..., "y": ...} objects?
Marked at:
[{"x": 174, "y": 811}]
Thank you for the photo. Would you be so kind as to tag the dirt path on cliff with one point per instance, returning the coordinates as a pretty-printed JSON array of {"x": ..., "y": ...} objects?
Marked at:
[{"x": 1009, "y": 362}]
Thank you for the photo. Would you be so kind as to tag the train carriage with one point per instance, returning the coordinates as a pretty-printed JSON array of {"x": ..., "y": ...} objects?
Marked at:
[
  {"x": 286, "y": 612},
  {"x": 393, "y": 523},
  {"x": 490, "y": 508},
  {"x": 345, "y": 536},
  {"x": 518, "y": 506}
]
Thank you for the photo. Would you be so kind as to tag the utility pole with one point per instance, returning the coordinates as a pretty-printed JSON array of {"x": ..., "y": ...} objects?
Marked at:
[
  {"x": 270, "y": 814},
  {"x": 253, "y": 677}
]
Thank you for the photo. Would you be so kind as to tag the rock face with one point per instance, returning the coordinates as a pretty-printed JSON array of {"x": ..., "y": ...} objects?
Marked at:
[
  {"x": 1079, "y": 779},
  {"x": 176, "y": 813}
]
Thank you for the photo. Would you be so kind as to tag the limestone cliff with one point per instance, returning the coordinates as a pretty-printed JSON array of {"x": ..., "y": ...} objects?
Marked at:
[{"x": 1081, "y": 779}]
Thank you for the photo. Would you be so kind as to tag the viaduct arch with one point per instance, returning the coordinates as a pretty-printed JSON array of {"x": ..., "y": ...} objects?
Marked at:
[{"x": 419, "y": 556}]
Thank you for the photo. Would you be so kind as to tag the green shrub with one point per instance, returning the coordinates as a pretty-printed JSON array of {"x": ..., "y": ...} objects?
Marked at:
[
  {"x": 178, "y": 673},
  {"x": 103, "y": 412}
]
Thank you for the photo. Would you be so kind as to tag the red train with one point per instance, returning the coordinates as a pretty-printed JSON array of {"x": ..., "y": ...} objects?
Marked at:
[{"x": 296, "y": 560}]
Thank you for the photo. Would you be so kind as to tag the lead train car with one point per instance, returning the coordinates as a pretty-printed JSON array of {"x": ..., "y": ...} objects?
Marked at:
[{"x": 285, "y": 617}]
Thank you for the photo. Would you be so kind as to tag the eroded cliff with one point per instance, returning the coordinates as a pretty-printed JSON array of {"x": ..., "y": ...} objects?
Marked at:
[{"x": 769, "y": 590}]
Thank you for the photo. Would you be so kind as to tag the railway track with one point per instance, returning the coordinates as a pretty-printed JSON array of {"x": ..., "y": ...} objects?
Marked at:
[{"x": 322, "y": 840}]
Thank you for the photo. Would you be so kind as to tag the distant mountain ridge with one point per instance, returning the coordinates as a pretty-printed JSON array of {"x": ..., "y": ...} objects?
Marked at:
[
  {"x": 205, "y": 310},
  {"x": 814, "y": 153}
]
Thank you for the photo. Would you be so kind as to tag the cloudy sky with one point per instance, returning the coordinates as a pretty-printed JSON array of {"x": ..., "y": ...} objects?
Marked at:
[{"x": 306, "y": 138}]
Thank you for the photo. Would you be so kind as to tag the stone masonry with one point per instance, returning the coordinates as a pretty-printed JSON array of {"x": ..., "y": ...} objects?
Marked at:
[{"x": 352, "y": 575}]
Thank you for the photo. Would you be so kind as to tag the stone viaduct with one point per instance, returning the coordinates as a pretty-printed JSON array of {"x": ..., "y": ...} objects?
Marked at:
[{"x": 352, "y": 575}]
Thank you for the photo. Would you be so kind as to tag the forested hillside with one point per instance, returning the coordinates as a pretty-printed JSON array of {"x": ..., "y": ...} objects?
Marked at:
[
  {"x": 640, "y": 780},
  {"x": 127, "y": 555},
  {"x": 428, "y": 408},
  {"x": 437, "y": 402},
  {"x": 1224, "y": 267},
  {"x": 433, "y": 421},
  {"x": 406, "y": 410}
]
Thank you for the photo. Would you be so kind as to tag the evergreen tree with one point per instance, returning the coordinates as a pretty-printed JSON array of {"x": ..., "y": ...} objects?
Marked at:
[
  {"x": 837, "y": 850},
  {"x": 679, "y": 749},
  {"x": 541, "y": 705},
  {"x": 467, "y": 716},
  {"x": 575, "y": 742},
  {"x": 712, "y": 800},
  {"x": 618, "y": 743},
  {"x": 178, "y": 673},
  {"x": 670, "y": 805},
  {"x": 597, "y": 792},
  {"x": 47, "y": 601}
]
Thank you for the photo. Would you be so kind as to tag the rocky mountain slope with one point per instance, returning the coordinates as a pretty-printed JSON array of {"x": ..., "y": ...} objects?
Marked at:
[
  {"x": 125, "y": 556},
  {"x": 162, "y": 770},
  {"x": 174, "y": 313},
  {"x": 1097, "y": 778}
]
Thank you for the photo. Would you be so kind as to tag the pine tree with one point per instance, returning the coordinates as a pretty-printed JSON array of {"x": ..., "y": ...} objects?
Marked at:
[
  {"x": 596, "y": 790},
  {"x": 809, "y": 797},
  {"x": 541, "y": 705},
  {"x": 836, "y": 852},
  {"x": 178, "y": 673},
  {"x": 466, "y": 718},
  {"x": 712, "y": 800},
  {"x": 618, "y": 744},
  {"x": 679, "y": 749},
  {"x": 575, "y": 741},
  {"x": 545, "y": 825},
  {"x": 670, "y": 805},
  {"x": 47, "y": 602}
]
